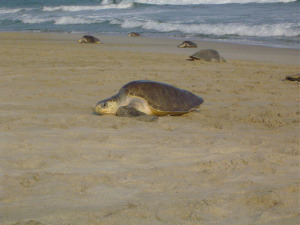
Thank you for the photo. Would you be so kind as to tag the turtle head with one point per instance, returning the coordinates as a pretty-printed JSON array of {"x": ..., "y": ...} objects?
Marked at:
[
  {"x": 82, "y": 40},
  {"x": 107, "y": 106}
]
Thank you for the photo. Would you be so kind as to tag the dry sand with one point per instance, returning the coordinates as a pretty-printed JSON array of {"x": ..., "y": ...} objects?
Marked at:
[{"x": 233, "y": 161}]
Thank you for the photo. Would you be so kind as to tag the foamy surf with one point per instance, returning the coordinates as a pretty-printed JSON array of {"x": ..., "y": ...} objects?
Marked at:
[
  {"x": 194, "y": 2},
  {"x": 65, "y": 20},
  {"x": 283, "y": 29},
  {"x": 11, "y": 11},
  {"x": 85, "y": 8},
  {"x": 267, "y": 22}
]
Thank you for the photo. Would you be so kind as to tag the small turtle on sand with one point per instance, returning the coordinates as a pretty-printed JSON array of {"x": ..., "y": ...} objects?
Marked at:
[
  {"x": 148, "y": 99},
  {"x": 89, "y": 39},
  {"x": 293, "y": 77},
  {"x": 187, "y": 44},
  {"x": 207, "y": 55},
  {"x": 132, "y": 34}
]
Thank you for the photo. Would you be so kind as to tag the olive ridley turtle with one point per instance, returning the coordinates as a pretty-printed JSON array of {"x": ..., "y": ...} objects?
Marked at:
[
  {"x": 149, "y": 99},
  {"x": 187, "y": 44},
  {"x": 207, "y": 55},
  {"x": 89, "y": 39},
  {"x": 133, "y": 34}
]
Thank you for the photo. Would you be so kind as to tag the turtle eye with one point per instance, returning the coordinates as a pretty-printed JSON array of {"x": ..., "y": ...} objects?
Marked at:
[{"x": 103, "y": 104}]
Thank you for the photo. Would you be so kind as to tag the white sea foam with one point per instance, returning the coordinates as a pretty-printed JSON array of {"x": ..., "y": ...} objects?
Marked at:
[
  {"x": 282, "y": 29},
  {"x": 8, "y": 11},
  {"x": 194, "y": 2},
  {"x": 65, "y": 20},
  {"x": 85, "y": 8},
  {"x": 124, "y": 4},
  {"x": 34, "y": 20},
  {"x": 155, "y": 17},
  {"x": 71, "y": 20}
]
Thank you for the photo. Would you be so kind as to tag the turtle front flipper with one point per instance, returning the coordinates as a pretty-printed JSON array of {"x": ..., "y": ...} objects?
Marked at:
[
  {"x": 293, "y": 77},
  {"x": 127, "y": 111}
]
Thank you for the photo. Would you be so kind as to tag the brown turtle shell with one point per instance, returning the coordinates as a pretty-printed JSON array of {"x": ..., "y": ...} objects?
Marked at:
[
  {"x": 163, "y": 99},
  {"x": 90, "y": 39}
]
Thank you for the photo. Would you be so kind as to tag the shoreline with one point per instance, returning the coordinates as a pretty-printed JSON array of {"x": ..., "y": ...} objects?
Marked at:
[
  {"x": 194, "y": 39},
  {"x": 169, "y": 46}
]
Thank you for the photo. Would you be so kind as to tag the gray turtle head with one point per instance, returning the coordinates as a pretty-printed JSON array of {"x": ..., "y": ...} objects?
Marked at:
[{"x": 107, "y": 106}]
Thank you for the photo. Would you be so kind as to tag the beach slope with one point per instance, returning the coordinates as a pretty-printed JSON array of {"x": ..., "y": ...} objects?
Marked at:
[{"x": 235, "y": 160}]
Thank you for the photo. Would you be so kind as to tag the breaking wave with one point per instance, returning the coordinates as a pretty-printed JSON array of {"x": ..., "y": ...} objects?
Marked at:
[
  {"x": 283, "y": 29},
  {"x": 65, "y": 20},
  {"x": 193, "y": 2},
  {"x": 85, "y": 8},
  {"x": 266, "y": 23},
  {"x": 9, "y": 11},
  {"x": 125, "y": 4}
]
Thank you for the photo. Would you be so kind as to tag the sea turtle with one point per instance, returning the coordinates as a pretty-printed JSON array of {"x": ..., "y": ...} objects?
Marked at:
[
  {"x": 133, "y": 34},
  {"x": 293, "y": 77},
  {"x": 89, "y": 39},
  {"x": 207, "y": 55},
  {"x": 149, "y": 99},
  {"x": 187, "y": 44}
]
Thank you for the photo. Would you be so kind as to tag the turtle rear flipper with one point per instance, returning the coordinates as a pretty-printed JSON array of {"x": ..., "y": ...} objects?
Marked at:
[{"x": 127, "y": 111}]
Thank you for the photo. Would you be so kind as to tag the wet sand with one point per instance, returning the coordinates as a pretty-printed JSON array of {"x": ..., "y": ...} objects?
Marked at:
[{"x": 235, "y": 160}]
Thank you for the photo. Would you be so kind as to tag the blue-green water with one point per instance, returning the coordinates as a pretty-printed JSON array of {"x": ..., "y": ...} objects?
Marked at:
[{"x": 258, "y": 22}]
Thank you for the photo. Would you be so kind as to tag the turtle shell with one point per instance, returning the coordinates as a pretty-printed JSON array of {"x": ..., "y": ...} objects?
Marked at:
[
  {"x": 163, "y": 99},
  {"x": 207, "y": 55},
  {"x": 90, "y": 39},
  {"x": 187, "y": 44}
]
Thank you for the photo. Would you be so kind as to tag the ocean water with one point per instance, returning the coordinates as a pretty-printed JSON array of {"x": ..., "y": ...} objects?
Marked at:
[{"x": 257, "y": 22}]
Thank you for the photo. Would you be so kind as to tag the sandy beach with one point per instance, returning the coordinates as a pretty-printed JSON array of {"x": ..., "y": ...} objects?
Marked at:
[{"x": 235, "y": 160}]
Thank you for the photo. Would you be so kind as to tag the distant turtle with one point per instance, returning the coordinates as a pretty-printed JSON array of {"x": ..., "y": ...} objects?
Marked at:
[
  {"x": 207, "y": 55},
  {"x": 132, "y": 34},
  {"x": 187, "y": 44},
  {"x": 293, "y": 77},
  {"x": 149, "y": 99},
  {"x": 89, "y": 39}
]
